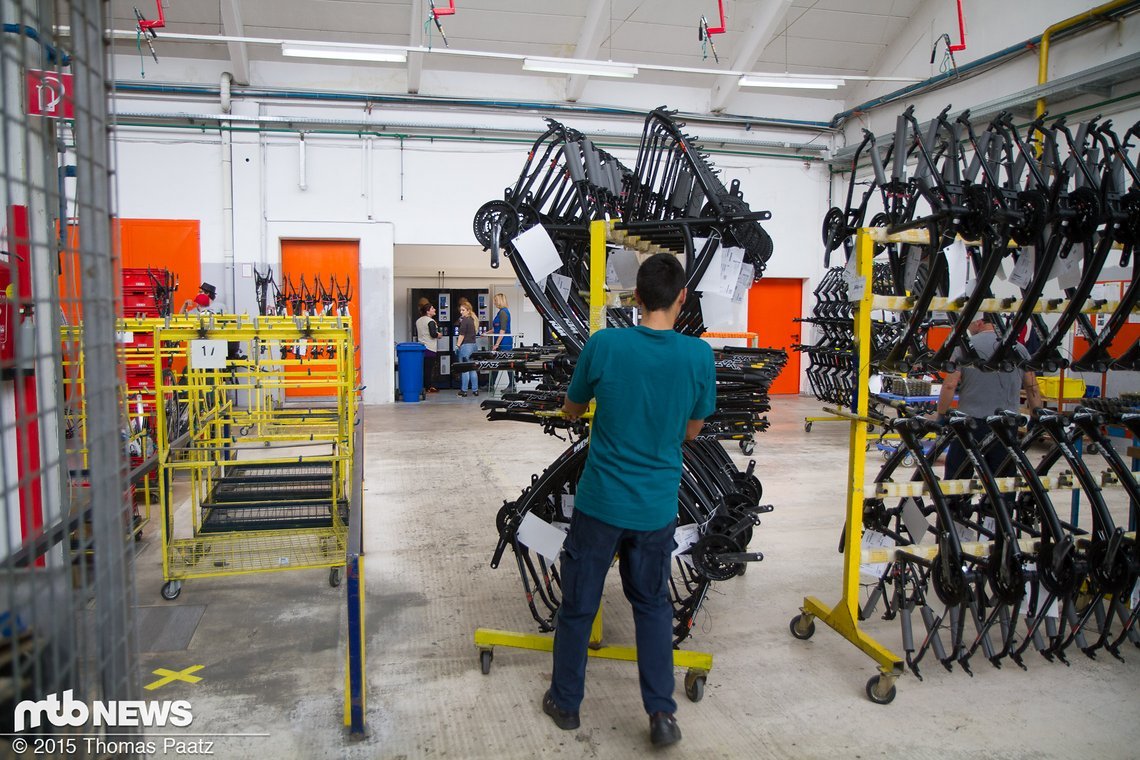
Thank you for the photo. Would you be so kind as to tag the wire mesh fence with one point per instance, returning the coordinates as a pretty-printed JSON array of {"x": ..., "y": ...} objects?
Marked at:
[{"x": 66, "y": 548}]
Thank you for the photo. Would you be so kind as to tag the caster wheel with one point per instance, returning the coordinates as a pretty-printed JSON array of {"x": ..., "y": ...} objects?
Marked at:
[
  {"x": 801, "y": 630},
  {"x": 875, "y": 694},
  {"x": 485, "y": 658},
  {"x": 695, "y": 686},
  {"x": 748, "y": 447},
  {"x": 171, "y": 590},
  {"x": 807, "y": 427},
  {"x": 908, "y": 460},
  {"x": 334, "y": 577}
]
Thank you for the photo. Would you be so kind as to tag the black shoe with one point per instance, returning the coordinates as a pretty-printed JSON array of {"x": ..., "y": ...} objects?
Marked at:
[
  {"x": 463, "y": 394},
  {"x": 476, "y": 393},
  {"x": 564, "y": 719},
  {"x": 663, "y": 729}
]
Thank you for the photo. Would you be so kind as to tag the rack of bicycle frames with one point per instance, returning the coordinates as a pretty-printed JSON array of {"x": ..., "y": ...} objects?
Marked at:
[
  {"x": 982, "y": 556},
  {"x": 672, "y": 199},
  {"x": 1041, "y": 212},
  {"x": 718, "y": 503},
  {"x": 253, "y": 472},
  {"x": 299, "y": 299}
]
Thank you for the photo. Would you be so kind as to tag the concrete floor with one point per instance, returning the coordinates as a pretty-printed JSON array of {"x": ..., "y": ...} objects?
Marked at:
[{"x": 437, "y": 472}]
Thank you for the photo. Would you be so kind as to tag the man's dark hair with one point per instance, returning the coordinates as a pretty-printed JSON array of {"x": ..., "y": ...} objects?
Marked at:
[
  {"x": 659, "y": 280},
  {"x": 425, "y": 308}
]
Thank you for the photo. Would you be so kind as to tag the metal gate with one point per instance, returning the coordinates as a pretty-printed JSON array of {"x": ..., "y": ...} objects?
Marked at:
[{"x": 66, "y": 553}]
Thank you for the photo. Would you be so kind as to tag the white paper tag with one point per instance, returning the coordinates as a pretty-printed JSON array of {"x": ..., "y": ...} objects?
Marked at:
[
  {"x": 686, "y": 536},
  {"x": 916, "y": 522},
  {"x": 124, "y": 337},
  {"x": 1003, "y": 269},
  {"x": 1067, "y": 270},
  {"x": 957, "y": 265},
  {"x": 208, "y": 354},
  {"x": 989, "y": 524},
  {"x": 856, "y": 285},
  {"x": 562, "y": 284},
  {"x": 744, "y": 283},
  {"x": 567, "y": 505},
  {"x": 541, "y": 536},
  {"x": 873, "y": 539},
  {"x": 965, "y": 534},
  {"x": 1023, "y": 270}
]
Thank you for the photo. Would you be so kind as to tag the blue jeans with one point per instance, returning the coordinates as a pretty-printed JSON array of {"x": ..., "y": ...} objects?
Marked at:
[
  {"x": 644, "y": 562},
  {"x": 468, "y": 381}
]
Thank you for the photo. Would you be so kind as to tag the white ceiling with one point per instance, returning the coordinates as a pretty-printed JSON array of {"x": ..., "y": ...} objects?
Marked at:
[{"x": 800, "y": 36}]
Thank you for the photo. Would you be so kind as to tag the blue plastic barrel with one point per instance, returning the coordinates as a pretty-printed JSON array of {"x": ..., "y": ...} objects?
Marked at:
[{"x": 410, "y": 357}]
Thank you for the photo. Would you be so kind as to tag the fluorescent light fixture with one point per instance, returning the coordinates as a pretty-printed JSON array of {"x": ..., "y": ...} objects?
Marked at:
[
  {"x": 791, "y": 82},
  {"x": 344, "y": 52},
  {"x": 576, "y": 66}
]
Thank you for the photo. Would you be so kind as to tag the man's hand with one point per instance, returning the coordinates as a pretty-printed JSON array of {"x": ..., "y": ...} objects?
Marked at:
[
  {"x": 572, "y": 409},
  {"x": 693, "y": 429}
]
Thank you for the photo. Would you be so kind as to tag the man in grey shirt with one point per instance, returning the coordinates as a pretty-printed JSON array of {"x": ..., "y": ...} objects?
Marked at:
[{"x": 981, "y": 393}]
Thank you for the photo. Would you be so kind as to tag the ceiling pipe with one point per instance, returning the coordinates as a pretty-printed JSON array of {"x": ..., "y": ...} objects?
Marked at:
[
  {"x": 1043, "y": 50},
  {"x": 388, "y": 127},
  {"x": 1122, "y": 7},
  {"x": 747, "y": 122}
]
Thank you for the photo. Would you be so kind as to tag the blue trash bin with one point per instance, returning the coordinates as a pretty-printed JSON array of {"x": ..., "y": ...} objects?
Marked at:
[{"x": 410, "y": 357}]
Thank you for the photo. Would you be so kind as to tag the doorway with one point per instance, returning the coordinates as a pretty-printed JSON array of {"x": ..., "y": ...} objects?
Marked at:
[
  {"x": 325, "y": 259},
  {"x": 774, "y": 304}
]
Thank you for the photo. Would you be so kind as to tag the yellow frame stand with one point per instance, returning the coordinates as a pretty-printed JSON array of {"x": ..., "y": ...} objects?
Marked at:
[
  {"x": 843, "y": 618},
  {"x": 697, "y": 664}
]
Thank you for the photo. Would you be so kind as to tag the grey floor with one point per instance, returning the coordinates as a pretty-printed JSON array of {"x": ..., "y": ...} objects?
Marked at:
[{"x": 437, "y": 472}]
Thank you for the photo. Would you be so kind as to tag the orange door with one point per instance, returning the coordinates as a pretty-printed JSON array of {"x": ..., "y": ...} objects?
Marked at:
[
  {"x": 325, "y": 259},
  {"x": 773, "y": 305},
  {"x": 172, "y": 244}
]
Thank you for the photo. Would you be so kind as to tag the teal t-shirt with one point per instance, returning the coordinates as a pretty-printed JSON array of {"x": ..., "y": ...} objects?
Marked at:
[{"x": 648, "y": 384}]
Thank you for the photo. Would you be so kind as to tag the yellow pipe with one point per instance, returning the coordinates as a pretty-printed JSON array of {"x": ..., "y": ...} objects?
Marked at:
[{"x": 1060, "y": 26}]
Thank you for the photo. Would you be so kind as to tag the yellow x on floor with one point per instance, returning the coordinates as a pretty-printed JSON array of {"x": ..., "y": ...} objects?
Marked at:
[{"x": 169, "y": 676}]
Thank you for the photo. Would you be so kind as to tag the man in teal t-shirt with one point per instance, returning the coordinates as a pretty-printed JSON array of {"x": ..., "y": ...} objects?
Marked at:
[{"x": 653, "y": 389}]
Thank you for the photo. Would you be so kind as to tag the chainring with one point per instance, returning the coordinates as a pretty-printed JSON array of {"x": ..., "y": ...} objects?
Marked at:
[
  {"x": 488, "y": 215},
  {"x": 705, "y": 551}
]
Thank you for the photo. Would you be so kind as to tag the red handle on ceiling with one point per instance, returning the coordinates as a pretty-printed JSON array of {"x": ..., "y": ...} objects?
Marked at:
[
  {"x": 448, "y": 11},
  {"x": 961, "y": 31},
  {"x": 158, "y": 23},
  {"x": 720, "y": 29}
]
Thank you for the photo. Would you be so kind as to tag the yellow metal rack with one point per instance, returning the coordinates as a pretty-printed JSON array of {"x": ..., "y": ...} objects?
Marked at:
[
  {"x": 697, "y": 664},
  {"x": 843, "y": 617},
  {"x": 237, "y": 443}
]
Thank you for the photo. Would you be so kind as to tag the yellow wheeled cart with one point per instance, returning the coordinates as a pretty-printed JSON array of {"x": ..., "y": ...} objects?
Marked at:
[
  {"x": 697, "y": 664},
  {"x": 253, "y": 479}
]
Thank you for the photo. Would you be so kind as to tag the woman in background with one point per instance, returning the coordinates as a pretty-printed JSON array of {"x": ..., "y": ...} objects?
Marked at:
[
  {"x": 502, "y": 339},
  {"x": 465, "y": 346},
  {"x": 427, "y": 331}
]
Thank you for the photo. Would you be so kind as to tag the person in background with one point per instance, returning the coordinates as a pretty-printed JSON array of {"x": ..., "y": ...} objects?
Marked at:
[
  {"x": 204, "y": 302},
  {"x": 199, "y": 304},
  {"x": 653, "y": 388},
  {"x": 981, "y": 393},
  {"x": 465, "y": 346},
  {"x": 427, "y": 331},
  {"x": 502, "y": 339}
]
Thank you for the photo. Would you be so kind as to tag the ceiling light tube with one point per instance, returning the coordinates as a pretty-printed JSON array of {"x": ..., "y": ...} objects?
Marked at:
[
  {"x": 791, "y": 82},
  {"x": 344, "y": 52},
  {"x": 576, "y": 66}
]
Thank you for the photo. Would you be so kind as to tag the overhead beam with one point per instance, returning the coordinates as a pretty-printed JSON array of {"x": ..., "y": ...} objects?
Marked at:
[
  {"x": 589, "y": 43},
  {"x": 416, "y": 39},
  {"x": 761, "y": 28},
  {"x": 232, "y": 27}
]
